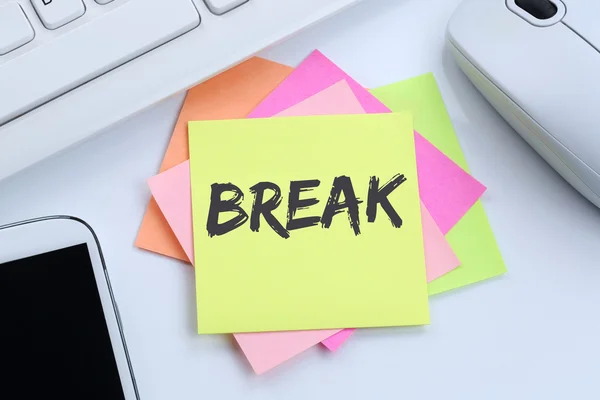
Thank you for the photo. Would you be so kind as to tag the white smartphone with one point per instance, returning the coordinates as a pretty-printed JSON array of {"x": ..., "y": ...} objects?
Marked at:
[{"x": 60, "y": 332}]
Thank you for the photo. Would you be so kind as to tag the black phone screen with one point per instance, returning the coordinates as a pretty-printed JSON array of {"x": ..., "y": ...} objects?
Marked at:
[{"x": 54, "y": 341}]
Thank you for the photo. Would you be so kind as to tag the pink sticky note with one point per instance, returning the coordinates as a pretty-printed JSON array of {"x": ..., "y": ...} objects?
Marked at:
[
  {"x": 439, "y": 256},
  {"x": 336, "y": 340},
  {"x": 173, "y": 194},
  {"x": 448, "y": 191},
  {"x": 267, "y": 350},
  {"x": 334, "y": 100}
]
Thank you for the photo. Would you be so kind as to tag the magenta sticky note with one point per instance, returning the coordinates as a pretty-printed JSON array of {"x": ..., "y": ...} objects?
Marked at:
[
  {"x": 336, "y": 340},
  {"x": 449, "y": 192},
  {"x": 313, "y": 75}
]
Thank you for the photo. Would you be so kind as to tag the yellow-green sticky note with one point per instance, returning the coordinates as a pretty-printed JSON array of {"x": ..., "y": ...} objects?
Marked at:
[
  {"x": 472, "y": 238},
  {"x": 305, "y": 223}
]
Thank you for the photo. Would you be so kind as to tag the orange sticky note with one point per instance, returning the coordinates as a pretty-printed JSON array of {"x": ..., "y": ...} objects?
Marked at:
[{"x": 232, "y": 94}]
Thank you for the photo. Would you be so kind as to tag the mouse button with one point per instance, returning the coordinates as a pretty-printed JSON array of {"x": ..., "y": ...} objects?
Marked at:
[
  {"x": 540, "y": 9},
  {"x": 582, "y": 19},
  {"x": 540, "y": 13}
]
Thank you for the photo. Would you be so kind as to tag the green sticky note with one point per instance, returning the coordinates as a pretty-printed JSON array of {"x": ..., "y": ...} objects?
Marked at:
[
  {"x": 313, "y": 259},
  {"x": 472, "y": 238}
]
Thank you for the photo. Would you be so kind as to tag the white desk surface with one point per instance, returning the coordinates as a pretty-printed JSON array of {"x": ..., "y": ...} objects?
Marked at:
[{"x": 531, "y": 334}]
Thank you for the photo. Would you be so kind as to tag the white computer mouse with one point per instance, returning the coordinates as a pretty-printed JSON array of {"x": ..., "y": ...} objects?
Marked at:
[{"x": 538, "y": 63}]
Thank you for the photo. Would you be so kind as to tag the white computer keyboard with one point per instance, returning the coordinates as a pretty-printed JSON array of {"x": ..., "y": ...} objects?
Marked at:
[
  {"x": 65, "y": 62},
  {"x": 70, "y": 68}
]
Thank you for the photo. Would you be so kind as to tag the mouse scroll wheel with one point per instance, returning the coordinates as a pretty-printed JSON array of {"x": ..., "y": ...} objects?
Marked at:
[{"x": 540, "y": 9}]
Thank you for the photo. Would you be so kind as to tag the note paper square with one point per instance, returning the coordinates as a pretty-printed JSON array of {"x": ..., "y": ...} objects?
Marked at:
[{"x": 257, "y": 280}]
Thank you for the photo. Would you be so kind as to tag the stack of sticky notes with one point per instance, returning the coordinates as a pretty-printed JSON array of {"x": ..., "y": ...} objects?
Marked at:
[{"x": 311, "y": 206}]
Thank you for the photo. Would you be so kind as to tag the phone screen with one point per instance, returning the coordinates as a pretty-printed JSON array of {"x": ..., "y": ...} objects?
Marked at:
[{"x": 54, "y": 341}]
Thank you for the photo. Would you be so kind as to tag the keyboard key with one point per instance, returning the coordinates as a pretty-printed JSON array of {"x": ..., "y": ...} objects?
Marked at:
[
  {"x": 68, "y": 61},
  {"x": 15, "y": 29},
  {"x": 221, "y": 7},
  {"x": 56, "y": 13}
]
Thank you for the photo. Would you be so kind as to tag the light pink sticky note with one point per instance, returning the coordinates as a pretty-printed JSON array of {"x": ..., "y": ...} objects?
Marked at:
[
  {"x": 449, "y": 192},
  {"x": 439, "y": 256},
  {"x": 173, "y": 194},
  {"x": 171, "y": 190},
  {"x": 267, "y": 350},
  {"x": 336, "y": 99}
]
